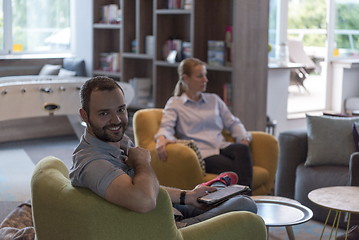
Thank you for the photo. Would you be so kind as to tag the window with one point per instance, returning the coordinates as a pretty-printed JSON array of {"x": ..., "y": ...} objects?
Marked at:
[
  {"x": 34, "y": 26},
  {"x": 272, "y": 28},
  {"x": 347, "y": 29},
  {"x": 1, "y": 26}
]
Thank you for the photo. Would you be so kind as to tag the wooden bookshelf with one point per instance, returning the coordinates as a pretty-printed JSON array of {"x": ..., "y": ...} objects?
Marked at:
[{"x": 205, "y": 20}]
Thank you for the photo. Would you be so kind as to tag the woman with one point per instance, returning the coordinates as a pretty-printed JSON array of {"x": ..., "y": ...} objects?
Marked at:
[{"x": 195, "y": 115}]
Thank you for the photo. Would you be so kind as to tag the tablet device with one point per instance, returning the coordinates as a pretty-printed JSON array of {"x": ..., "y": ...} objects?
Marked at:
[{"x": 223, "y": 194}]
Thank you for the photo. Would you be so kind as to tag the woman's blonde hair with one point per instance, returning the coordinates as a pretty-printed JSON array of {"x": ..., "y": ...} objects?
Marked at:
[{"x": 185, "y": 67}]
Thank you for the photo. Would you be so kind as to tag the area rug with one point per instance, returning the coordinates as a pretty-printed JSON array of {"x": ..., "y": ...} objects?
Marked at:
[
  {"x": 309, "y": 230},
  {"x": 15, "y": 175}
]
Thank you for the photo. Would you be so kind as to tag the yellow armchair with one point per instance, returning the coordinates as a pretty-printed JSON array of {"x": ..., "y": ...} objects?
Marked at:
[
  {"x": 61, "y": 211},
  {"x": 182, "y": 168}
]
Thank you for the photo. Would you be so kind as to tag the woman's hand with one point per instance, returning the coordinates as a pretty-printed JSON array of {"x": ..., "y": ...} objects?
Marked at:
[
  {"x": 245, "y": 142},
  {"x": 161, "y": 143}
]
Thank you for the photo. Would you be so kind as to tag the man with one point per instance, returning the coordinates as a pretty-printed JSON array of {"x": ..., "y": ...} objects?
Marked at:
[{"x": 107, "y": 162}]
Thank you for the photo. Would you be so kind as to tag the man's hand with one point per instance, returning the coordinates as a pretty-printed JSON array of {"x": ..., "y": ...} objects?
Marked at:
[
  {"x": 161, "y": 143},
  {"x": 193, "y": 195},
  {"x": 137, "y": 156}
]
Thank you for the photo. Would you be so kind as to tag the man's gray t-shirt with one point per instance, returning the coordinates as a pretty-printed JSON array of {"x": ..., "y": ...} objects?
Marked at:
[{"x": 96, "y": 163}]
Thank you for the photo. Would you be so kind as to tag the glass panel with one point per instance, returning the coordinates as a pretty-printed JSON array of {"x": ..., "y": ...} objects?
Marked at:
[
  {"x": 347, "y": 28},
  {"x": 307, "y": 22},
  {"x": 41, "y": 25},
  {"x": 307, "y": 33},
  {"x": 273, "y": 12},
  {"x": 1, "y": 26}
]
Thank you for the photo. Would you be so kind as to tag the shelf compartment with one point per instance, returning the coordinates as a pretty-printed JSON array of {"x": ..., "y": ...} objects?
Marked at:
[
  {"x": 171, "y": 27},
  {"x": 107, "y": 73},
  {"x": 106, "y": 26}
]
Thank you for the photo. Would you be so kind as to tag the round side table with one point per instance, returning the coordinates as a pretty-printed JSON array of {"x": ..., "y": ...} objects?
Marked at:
[
  {"x": 339, "y": 199},
  {"x": 282, "y": 212}
]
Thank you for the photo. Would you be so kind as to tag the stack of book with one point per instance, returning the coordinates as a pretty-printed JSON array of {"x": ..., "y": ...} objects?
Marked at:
[
  {"x": 177, "y": 4},
  {"x": 216, "y": 53},
  {"x": 110, "y": 62},
  {"x": 111, "y": 13},
  {"x": 142, "y": 89},
  {"x": 186, "y": 50},
  {"x": 175, "y": 50},
  {"x": 172, "y": 50}
]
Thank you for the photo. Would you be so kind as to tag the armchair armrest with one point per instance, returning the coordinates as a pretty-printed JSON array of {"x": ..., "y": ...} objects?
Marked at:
[
  {"x": 181, "y": 169},
  {"x": 233, "y": 225},
  {"x": 292, "y": 152},
  {"x": 264, "y": 149},
  {"x": 354, "y": 169}
]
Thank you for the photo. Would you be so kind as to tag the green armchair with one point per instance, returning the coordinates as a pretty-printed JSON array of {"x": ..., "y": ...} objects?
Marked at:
[
  {"x": 182, "y": 168},
  {"x": 61, "y": 211}
]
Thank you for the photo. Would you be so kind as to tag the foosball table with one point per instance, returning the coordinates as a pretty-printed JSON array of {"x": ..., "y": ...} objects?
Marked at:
[{"x": 38, "y": 96}]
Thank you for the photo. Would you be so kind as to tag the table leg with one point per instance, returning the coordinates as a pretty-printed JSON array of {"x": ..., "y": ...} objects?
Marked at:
[
  {"x": 325, "y": 224},
  {"x": 348, "y": 224},
  {"x": 336, "y": 223},
  {"x": 290, "y": 232}
]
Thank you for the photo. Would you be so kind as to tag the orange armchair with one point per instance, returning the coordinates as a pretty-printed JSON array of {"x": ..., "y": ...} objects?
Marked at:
[{"x": 182, "y": 168}]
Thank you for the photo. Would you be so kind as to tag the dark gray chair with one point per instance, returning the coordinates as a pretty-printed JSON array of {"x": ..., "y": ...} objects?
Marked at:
[{"x": 294, "y": 180}]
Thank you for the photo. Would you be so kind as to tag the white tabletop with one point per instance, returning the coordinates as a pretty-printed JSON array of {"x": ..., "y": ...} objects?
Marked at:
[
  {"x": 343, "y": 198},
  {"x": 281, "y": 211}
]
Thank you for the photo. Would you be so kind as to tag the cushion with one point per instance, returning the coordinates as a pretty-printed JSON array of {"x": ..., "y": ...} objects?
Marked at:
[
  {"x": 193, "y": 145},
  {"x": 49, "y": 69},
  {"x": 75, "y": 64},
  {"x": 356, "y": 135},
  {"x": 18, "y": 224},
  {"x": 330, "y": 140},
  {"x": 66, "y": 73}
]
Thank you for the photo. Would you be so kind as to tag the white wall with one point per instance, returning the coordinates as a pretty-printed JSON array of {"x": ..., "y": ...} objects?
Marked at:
[{"x": 81, "y": 16}]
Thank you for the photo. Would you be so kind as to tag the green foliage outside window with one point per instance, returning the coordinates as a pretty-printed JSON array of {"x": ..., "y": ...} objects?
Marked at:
[
  {"x": 35, "y": 20},
  {"x": 309, "y": 14}
]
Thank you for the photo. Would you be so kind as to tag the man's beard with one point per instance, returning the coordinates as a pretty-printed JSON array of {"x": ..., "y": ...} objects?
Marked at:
[{"x": 106, "y": 135}]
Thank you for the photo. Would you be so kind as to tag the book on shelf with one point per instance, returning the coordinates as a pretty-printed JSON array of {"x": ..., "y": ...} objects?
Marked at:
[
  {"x": 142, "y": 88},
  {"x": 216, "y": 53},
  {"x": 172, "y": 50},
  {"x": 177, "y": 4},
  {"x": 111, "y": 13},
  {"x": 187, "y": 4},
  {"x": 228, "y": 39},
  {"x": 186, "y": 50},
  {"x": 149, "y": 46},
  {"x": 227, "y": 94},
  {"x": 110, "y": 62}
]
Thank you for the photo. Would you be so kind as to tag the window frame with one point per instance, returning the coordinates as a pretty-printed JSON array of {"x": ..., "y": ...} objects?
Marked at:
[
  {"x": 8, "y": 38},
  {"x": 7, "y": 13}
]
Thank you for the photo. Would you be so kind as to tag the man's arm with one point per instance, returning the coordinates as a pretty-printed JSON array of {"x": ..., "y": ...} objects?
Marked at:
[
  {"x": 140, "y": 192},
  {"x": 191, "y": 196},
  {"x": 233, "y": 124}
]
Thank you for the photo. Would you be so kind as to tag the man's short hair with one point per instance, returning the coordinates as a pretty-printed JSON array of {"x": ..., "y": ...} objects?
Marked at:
[{"x": 99, "y": 83}]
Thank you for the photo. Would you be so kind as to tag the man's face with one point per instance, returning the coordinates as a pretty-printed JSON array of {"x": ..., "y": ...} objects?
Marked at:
[{"x": 108, "y": 115}]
